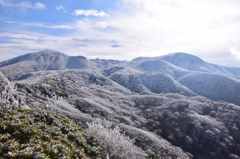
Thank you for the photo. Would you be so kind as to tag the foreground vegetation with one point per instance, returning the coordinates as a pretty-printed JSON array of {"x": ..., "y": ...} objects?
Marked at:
[{"x": 34, "y": 134}]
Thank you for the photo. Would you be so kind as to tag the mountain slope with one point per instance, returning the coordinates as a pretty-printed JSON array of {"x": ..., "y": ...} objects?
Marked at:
[
  {"x": 150, "y": 82},
  {"x": 213, "y": 86},
  {"x": 209, "y": 80},
  {"x": 163, "y": 67},
  {"x": 88, "y": 95},
  {"x": 206, "y": 129}
]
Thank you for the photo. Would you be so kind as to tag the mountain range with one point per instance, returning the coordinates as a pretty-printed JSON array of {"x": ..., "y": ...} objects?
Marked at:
[
  {"x": 173, "y": 73},
  {"x": 177, "y": 105}
]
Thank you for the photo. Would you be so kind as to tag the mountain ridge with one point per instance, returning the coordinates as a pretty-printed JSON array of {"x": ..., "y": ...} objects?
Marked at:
[
  {"x": 144, "y": 75},
  {"x": 62, "y": 61}
]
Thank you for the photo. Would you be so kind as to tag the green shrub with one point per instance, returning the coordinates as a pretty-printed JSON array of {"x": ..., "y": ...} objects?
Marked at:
[{"x": 36, "y": 135}]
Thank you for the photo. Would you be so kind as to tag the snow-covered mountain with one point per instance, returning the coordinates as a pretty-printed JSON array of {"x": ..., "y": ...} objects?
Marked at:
[
  {"x": 43, "y": 60},
  {"x": 105, "y": 64},
  {"x": 145, "y": 82},
  {"x": 169, "y": 124},
  {"x": 213, "y": 86},
  {"x": 177, "y": 105},
  {"x": 190, "y": 63},
  {"x": 163, "y": 67},
  {"x": 173, "y": 73}
]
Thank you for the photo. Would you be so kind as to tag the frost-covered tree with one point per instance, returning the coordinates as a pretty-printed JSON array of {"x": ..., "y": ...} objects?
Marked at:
[
  {"x": 6, "y": 95},
  {"x": 116, "y": 145}
]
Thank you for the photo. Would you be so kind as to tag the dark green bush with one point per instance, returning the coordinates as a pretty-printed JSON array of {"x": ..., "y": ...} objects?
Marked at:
[{"x": 36, "y": 135}]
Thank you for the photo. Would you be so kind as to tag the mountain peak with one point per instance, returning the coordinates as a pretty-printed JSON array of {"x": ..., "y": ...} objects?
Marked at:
[
  {"x": 176, "y": 55},
  {"x": 43, "y": 60},
  {"x": 183, "y": 60},
  {"x": 182, "y": 55},
  {"x": 48, "y": 50}
]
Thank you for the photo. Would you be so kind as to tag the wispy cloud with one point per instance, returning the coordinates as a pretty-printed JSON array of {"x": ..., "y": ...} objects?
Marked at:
[
  {"x": 59, "y": 7},
  {"x": 19, "y": 36},
  {"x": 50, "y": 27},
  {"x": 6, "y": 4},
  {"x": 81, "y": 45},
  {"x": 116, "y": 45},
  {"x": 92, "y": 12},
  {"x": 23, "y": 4},
  {"x": 42, "y": 25},
  {"x": 39, "y": 6},
  {"x": 113, "y": 41}
]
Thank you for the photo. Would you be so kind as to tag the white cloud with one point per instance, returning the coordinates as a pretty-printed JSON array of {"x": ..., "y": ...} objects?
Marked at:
[
  {"x": 157, "y": 27},
  {"x": 87, "y": 13},
  {"x": 197, "y": 27},
  {"x": 39, "y": 6},
  {"x": 59, "y": 7},
  {"x": 6, "y": 4},
  {"x": 235, "y": 51},
  {"x": 51, "y": 27},
  {"x": 42, "y": 25},
  {"x": 11, "y": 22},
  {"x": 19, "y": 36},
  {"x": 23, "y": 5}
]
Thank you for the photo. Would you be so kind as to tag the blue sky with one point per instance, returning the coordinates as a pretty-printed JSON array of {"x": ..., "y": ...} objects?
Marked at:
[{"x": 122, "y": 29}]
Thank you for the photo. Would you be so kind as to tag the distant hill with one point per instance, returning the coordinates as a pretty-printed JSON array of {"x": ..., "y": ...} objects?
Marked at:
[
  {"x": 142, "y": 82},
  {"x": 163, "y": 67},
  {"x": 192, "y": 63},
  {"x": 105, "y": 64},
  {"x": 43, "y": 60}
]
